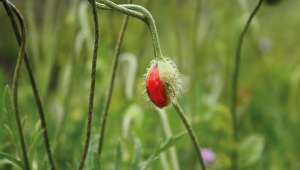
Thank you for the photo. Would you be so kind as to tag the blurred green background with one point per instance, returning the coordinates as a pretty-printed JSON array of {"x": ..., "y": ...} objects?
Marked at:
[{"x": 201, "y": 37}]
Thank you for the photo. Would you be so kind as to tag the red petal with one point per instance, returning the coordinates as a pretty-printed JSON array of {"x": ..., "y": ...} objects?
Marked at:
[{"x": 156, "y": 88}]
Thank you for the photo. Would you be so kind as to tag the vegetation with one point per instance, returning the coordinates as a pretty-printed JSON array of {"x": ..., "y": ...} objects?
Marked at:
[{"x": 73, "y": 93}]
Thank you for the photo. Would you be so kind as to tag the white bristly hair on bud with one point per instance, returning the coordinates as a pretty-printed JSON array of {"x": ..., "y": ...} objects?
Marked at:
[{"x": 169, "y": 75}]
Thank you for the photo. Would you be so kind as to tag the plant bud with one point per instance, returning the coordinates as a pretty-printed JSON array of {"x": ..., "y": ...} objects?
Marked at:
[{"x": 162, "y": 82}]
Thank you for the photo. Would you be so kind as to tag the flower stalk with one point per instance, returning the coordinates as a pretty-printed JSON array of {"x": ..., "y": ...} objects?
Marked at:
[
  {"x": 141, "y": 13},
  {"x": 144, "y": 15},
  {"x": 191, "y": 132},
  {"x": 21, "y": 39},
  {"x": 168, "y": 133},
  {"x": 235, "y": 76},
  {"x": 15, "y": 82},
  {"x": 92, "y": 87},
  {"x": 116, "y": 57},
  {"x": 149, "y": 20}
]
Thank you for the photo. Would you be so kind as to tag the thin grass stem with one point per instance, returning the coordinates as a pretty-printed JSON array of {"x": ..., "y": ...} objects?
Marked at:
[
  {"x": 33, "y": 84},
  {"x": 235, "y": 76},
  {"x": 168, "y": 132},
  {"x": 111, "y": 84},
  {"x": 15, "y": 82},
  {"x": 92, "y": 87}
]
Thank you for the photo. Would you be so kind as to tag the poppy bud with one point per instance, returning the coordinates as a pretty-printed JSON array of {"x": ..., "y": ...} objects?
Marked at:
[{"x": 162, "y": 82}]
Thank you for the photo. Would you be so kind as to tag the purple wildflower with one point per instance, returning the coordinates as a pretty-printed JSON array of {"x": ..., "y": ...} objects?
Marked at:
[{"x": 208, "y": 155}]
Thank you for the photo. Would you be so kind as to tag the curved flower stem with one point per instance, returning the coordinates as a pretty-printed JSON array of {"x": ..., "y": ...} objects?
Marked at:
[
  {"x": 235, "y": 76},
  {"x": 33, "y": 84},
  {"x": 111, "y": 85},
  {"x": 92, "y": 87},
  {"x": 16, "y": 76},
  {"x": 109, "y": 5},
  {"x": 136, "y": 11},
  {"x": 152, "y": 27},
  {"x": 190, "y": 131}
]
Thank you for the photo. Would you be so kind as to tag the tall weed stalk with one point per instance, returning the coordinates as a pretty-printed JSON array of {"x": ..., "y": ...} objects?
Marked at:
[
  {"x": 235, "y": 76},
  {"x": 21, "y": 38}
]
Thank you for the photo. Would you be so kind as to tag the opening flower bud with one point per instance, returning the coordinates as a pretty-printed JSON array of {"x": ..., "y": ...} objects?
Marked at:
[{"x": 162, "y": 82}]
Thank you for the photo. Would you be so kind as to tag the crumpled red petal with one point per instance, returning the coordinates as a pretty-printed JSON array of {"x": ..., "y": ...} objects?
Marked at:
[{"x": 156, "y": 89}]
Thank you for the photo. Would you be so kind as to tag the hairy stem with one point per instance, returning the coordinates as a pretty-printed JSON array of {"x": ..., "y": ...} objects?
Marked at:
[
  {"x": 190, "y": 132},
  {"x": 140, "y": 13},
  {"x": 235, "y": 76},
  {"x": 111, "y": 84},
  {"x": 152, "y": 27},
  {"x": 108, "y": 5},
  {"x": 92, "y": 87},
  {"x": 19, "y": 38}
]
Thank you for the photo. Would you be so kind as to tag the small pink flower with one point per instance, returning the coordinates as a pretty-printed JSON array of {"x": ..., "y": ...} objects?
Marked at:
[{"x": 208, "y": 155}]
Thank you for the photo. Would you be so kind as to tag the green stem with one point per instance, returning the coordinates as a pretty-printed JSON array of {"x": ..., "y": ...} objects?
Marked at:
[
  {"x": 168, "y": 133},
  {"x": 33, "y": 86},
  {"x": 12, "y": 10},
  {"x": 136, "y": 11},
  {"x": 111, "y": 85},
  {"x": 235, "y": 76},
  {"x": 108, "y": 5},
  {"x": 92, "y": 86},
  {"x": 190, "y": 132},
  {"x": 152, "y": 27}
]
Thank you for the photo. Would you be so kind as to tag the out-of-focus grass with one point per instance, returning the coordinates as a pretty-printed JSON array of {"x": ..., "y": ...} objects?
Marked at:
[{"x": 60, "y": 47}]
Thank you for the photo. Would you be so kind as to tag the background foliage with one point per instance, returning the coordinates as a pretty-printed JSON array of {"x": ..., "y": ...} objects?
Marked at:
[{"x": 201, "y": 36}]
